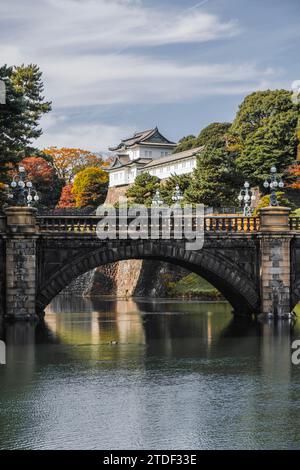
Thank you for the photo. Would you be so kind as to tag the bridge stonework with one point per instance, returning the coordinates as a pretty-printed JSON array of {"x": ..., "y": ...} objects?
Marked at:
[
  {"x": 275, "y": 260},
  {"x": 20, "y": 263},
  {"x": 252, "y": 261}
]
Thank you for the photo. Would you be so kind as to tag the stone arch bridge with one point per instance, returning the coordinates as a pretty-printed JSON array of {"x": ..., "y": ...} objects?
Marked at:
[{"x": 254, "y": 262}]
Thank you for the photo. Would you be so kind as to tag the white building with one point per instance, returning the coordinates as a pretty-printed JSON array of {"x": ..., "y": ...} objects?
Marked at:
[{"x": 151, "y": 152}]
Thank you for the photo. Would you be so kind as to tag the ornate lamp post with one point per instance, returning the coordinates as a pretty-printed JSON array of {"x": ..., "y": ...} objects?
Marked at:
[
  {"x": 274, "y": 183},
  {"x": 177, "y": 196},
  {"x": 157, "y": 201},
  {"x": 246, "y": 196},
  {"x": 23, "y": 192}
]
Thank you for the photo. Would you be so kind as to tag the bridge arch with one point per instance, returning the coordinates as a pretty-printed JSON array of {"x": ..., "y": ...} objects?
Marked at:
[{"x": 226, "y": 276}]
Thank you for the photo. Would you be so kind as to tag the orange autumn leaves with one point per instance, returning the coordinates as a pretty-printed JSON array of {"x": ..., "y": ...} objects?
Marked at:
[
  {"x": 69, "y": 161},
  {"x": 294, "y": 176}
]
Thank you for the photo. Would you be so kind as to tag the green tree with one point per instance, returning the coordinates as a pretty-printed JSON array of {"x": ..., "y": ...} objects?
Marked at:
[
  {"x": 215, "y": 180},
  {"x": 143, "y": 189},
  {"x": 265, "y": 127},
  {"x": 168, "y": 187},
  {"x": 213, "y": 134},
  {"x": 20, "y": 115},
  {"x": 210, "y": 134},
  {"x": 185, "y": 143},
  {"x": 90, "y": 187}
]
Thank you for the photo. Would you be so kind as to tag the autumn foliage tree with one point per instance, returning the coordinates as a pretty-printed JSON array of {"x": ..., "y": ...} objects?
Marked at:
[
  {"x": 67, "y": 162},
  {"x": 20, "y": 116},
  {"x": 44, "y": 180},
  {"x": 293, "y": 176},
  {"x": 67, "y": 198},
  {"x": 90, "y": 187}
]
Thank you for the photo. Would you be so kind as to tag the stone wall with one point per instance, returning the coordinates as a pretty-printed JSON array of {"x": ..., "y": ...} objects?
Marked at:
[
  {"x": 20, "y": 277},
  {"x": 139, "y": 278},
  {"x": 103, "y": 281},
  {"x": 114, "y": 193},
  {"x": 275, "y": 274}
]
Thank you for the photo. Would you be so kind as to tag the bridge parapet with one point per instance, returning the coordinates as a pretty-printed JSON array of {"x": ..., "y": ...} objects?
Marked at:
[
  {"x": 294, "y": 223},
  {"x": 88, "y": 224}
]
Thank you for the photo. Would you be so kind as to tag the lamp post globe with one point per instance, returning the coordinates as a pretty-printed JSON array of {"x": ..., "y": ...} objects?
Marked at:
[{"x": 22, "y": 191}]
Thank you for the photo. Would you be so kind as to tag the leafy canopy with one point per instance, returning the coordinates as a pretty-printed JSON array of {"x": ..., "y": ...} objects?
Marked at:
[
  {"x": 20, "y": 115},
  {"x": 215, "y": 179},
  {"x": 209, "y": 135},
  {"x": 67, "y": 198},
  {"x": 168, "y": 187},
  {"x": 90, "y": 187},
  {"x": 143, "y": 189},
  {"x": 265, "y": 128},
  {"x": 67, "y": 162},
  {"x": 44, "y": 180}
]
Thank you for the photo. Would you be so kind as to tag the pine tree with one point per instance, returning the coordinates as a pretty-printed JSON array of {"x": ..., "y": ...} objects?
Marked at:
[
  {"x": 168, "y": 187},
  {"x": 215, "y": 180},
  {"x": 20, "y": 115},
  {"x": 143, "y": 189},
  {"x": 208, "y": 135}
]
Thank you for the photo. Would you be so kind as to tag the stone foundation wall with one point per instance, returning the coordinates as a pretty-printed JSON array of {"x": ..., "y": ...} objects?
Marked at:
[
  {"x": 114, "y": 193},
  {"x": 139, "y": 278},
  {"x": 102, "y": 281}
]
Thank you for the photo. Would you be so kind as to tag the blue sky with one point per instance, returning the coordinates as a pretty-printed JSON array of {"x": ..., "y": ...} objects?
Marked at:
[{"x": 112, "y": 67}]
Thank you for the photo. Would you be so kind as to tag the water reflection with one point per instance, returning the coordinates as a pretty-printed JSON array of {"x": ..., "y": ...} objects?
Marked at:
[{"x": 148, "y": 374}]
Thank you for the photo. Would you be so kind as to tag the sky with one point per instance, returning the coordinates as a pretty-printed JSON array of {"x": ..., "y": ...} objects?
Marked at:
[{"x": 114, "y": 67}]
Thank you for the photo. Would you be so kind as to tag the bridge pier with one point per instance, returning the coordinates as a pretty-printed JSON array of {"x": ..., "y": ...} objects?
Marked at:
[
  {"x": 21, "y": 238},
  {"x": 275, "y": 261}
]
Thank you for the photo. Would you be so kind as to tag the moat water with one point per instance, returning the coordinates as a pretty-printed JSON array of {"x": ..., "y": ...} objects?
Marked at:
[{"x": 117, "y": 374}]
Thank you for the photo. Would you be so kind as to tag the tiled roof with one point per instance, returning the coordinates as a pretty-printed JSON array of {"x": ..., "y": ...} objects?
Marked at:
[
  {"x": 174, "y": 157},
  {"x": 121, "y": 162},
  {"x": 140, "y": 137}
]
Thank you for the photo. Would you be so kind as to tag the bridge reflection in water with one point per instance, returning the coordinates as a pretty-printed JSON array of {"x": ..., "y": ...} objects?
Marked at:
[{"x": 152, "y": 374}]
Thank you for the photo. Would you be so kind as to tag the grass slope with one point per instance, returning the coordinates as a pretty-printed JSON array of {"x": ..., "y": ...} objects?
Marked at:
[{"x": 193, "y": 286}]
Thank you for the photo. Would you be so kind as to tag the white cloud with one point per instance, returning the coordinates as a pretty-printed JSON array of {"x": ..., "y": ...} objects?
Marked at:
[
  {"x": 111, "y": 23},
  {"x": 59, "y": 132},
  {"x": 91, "y": 53},
  {"x": 10, "y": 54},
  {"x": 107, "y": 79}
]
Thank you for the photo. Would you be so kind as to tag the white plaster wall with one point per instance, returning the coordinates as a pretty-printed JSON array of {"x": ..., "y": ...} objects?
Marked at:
[
  {"x": 147, "y": 152},
  {"x": 176, "y": 168},
  {"x": 128, "y": 175}
]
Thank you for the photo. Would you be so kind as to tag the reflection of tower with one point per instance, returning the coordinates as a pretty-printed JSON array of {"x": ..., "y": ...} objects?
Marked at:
[
  {"x": 129, "y": 322},
  {"x": 209, "y": 329},
  {"x": 276, "y": 351},
  {"x": 20, "y": 351},
  {"x": 95, "y": 329}
]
